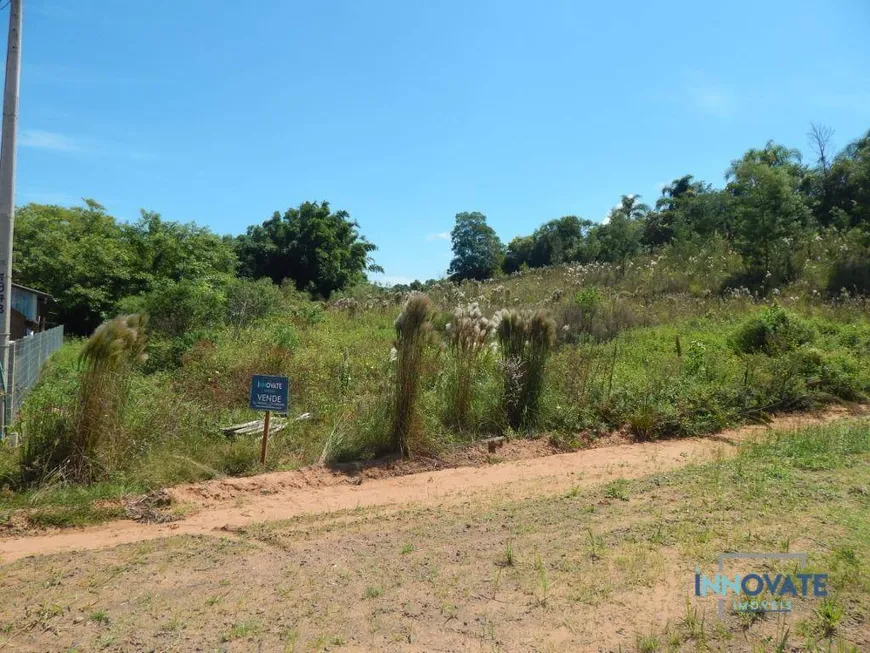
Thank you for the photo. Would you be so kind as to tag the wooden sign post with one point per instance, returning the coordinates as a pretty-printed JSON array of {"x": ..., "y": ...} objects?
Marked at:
[
  {"x": 269, "y": 393},
  {"x": 265, "y": 443}
]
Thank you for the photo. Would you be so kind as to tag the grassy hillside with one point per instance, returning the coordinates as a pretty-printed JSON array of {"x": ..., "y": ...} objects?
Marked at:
[{"x": 653, "y": 351}]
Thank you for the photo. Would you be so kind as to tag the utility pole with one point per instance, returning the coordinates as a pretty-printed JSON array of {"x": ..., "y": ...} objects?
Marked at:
[{"x": 7, "y": 190}]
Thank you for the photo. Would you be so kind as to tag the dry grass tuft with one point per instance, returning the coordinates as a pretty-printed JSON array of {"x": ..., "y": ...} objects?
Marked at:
[
  {"x": 66, "y": 444},
  {"x": 525, "y": 339},
  {"x": 413, "y": 327},
  {"x": 468, "y": 335}
]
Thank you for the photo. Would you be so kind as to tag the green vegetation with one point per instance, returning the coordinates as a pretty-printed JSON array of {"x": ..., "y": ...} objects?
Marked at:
[
  {"x": 319, "y": 250},
  {"x": 714, "y": 308},
  {"x": 241, "y": 630},
  {"x": 525, "y": 340},
  {"x": 476, "y": 248},
  {"x": 619, "y": 351},
  {"x": 468, "y": 335},
  {"x": 183, "y": 275},
  {"x": 89, "y": 262},
  {"x": 412, "y": 329},
  {"x": 770, "y": 212}
]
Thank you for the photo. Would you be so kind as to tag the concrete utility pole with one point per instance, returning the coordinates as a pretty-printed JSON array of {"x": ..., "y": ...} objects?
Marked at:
[{"x": 7, "y": 188}]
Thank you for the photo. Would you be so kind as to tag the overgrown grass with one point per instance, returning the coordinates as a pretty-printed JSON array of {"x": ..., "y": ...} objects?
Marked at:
[
  {"x": 67, "y": 505},
  {"x": 654, "y": 352}
]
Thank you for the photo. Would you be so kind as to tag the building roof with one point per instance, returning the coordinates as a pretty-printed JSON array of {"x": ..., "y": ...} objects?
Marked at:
[{"x": 31, "y": 290}]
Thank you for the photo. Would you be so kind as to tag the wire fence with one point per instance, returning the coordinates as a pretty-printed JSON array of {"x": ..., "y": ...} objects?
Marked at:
[{"x": 26, "y": 358}]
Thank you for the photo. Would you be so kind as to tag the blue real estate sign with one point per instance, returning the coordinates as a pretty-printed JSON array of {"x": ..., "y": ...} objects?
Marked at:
[{"x": 269, "y": 393}]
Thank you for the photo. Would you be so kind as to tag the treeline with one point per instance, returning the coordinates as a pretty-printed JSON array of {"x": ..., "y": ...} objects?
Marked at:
[
  {"x": 183, "y": 275},
  {"x": 771, "y": 207},
  {"x": 189, "y": 279}
]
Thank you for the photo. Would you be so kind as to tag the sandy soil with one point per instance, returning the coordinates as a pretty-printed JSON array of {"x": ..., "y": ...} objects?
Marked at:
[{"x": 218, "y": 507}]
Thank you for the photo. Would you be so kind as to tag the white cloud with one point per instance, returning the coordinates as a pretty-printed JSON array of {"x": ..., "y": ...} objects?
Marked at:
[
  {"x": 444, "y": 235},
  {"x": 46, "y": 140},
  {"x": 388, "y": 280},
  {"x": 714, "y": 100}
]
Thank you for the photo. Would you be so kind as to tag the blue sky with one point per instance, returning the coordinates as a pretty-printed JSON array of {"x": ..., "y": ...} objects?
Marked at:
[{"x": 405, "y": 113}]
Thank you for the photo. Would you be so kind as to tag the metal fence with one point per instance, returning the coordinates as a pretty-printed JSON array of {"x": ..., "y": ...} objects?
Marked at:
[{"x": 26, "y": 358}]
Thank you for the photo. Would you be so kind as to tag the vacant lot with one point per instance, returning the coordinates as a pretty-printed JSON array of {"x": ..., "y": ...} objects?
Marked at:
[{"x": 594, "y": 567}]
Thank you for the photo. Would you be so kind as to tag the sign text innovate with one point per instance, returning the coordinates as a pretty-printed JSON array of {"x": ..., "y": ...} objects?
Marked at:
[
  {"x": 760, "y": 591},
  {"x": 269, "y": 393}
]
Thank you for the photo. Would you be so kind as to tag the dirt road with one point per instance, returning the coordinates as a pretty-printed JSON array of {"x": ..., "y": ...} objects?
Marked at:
[{"x": 217, "y": 507}]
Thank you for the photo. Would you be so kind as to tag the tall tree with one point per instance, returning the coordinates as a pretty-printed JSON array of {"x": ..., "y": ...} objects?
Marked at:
[
  {"x": 683, "y": 208},
  {"x": 676, "y": 190},
  {"x": 558, "y": 241},
  {"x": 320, "y": 250},
  {"x": 631, "y": 207},
  {"x": 477, "y": 250},
  {"x": 88, "y": 261},
  {"x": 619, "y": 239},
  {"x": 175, "y": 250},
  {"x": 821, "y": 141},
  {"x": 518, "y": 254},
  {"x": 771, "y": 212},
  {"x": 79, "y": 256},
  {"x": 848, "y": 197}
]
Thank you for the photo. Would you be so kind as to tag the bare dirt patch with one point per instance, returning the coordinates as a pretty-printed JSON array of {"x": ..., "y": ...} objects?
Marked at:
[
  {"x": 567, "y": 568},
  {"x": 214, "y": 507}
]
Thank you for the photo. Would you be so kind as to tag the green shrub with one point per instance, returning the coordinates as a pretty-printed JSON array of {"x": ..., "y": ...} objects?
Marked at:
[
  {"x": 772, "y": 331},
  {"x": 176, "y": 308},
  {"x": 286, "y": 336},
  {"x": 587, "y": 302},
  {"x": 851, "y": 276},
  {"x": 9, "y": 469},
  {"x": 835, "y": 373},
  {"x": 308, "y": 313},
  {"x": 249, "y": 301},
  {"x": 48, "y": 444},
  {"x": 167, "y": 353}
]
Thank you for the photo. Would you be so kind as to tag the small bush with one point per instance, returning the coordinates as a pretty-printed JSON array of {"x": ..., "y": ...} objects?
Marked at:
[
  {"x": 308, "y": 313},
  {"x": 48, "y": 444},
  {"x": 589, "y": 317},
  {"x": 177, "y": 308},
  {"x": 852, "y": 276},
  {"x": 772, "y": 331},
  {"x": 249, "y": 301},
  {"x": 587, "y": 303}
]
